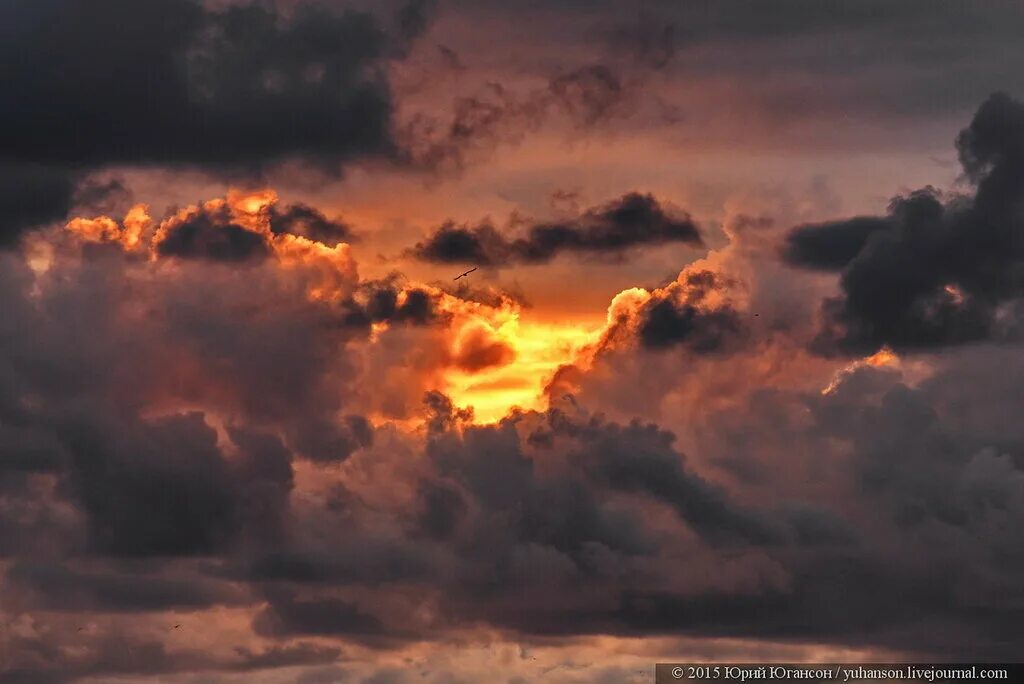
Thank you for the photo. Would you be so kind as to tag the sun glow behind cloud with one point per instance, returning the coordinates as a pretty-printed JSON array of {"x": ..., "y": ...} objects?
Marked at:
[{"x": 540, "y": 348}]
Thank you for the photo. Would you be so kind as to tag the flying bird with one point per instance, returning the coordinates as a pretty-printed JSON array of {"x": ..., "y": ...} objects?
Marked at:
[{"x": 466, "y": 273}]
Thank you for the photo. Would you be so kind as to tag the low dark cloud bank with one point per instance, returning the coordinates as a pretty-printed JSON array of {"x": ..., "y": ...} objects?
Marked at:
[{"x": 633, "y": 220}]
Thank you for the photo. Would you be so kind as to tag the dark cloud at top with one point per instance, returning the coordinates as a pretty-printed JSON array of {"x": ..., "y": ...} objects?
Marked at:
[
  {"x": 935, "y": 271},
  {"x": 172, "y": 82},
  {"x": 90, "y": 84},
  {"x": 632, "y": 220},
  {"x": 650, "y": 40},
  {"x": 31, "y": 196}
]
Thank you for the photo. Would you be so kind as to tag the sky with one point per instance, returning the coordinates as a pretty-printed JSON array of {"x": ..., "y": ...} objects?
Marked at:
[{"x": 734, "y": 374}]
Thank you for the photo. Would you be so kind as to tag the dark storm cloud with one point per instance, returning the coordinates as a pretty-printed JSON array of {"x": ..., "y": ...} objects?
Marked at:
[
  {"x": 943, "y": 483},
  {"x": 164, "y": 488},
  {"x": 289, "y": 615},
  {"x": 59, "y": 587},
  {"x": 30, "y": 196},
  {"x": 128, "y": 655},
  {"x": 413, "y": 17},
  {"x": 300, "y": 219},
  {"x": 443, "y": 509},
  {"x": 640, "y": 458},
  {"x": 359, "y": 559},
  {"x": 158, "y": 489},
  {"x": 331, "y": 441},
  {"x": 935, "y": 271},
  {"x": 177, "y": 82},
  {"x": 555, "y": 536},
  {"x": 666, "y": 324},
  {"x": 631, "y": 221},
  {"x": 595, "y": 456},
  {"x": 97, "y": 83}
]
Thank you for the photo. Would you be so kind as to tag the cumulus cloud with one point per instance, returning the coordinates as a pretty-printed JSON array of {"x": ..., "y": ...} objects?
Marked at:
[
  {"x": 936, "y": 270},
  {"x": 300, "y": 219}
]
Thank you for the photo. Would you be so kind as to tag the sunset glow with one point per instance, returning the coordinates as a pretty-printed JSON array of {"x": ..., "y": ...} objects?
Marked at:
[{"x": 539, "y": 350}]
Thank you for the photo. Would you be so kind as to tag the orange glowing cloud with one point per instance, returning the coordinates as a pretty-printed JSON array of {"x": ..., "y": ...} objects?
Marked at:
[
  {"x": 883, "y": 358},
  {"x": 128, "y": 233},
  {"x": 479, "y": 346},
  {"x": 331, "y": 272}
]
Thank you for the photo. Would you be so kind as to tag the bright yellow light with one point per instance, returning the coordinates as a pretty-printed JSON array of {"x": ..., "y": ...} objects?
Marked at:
[{"x": 540, "y": 348}]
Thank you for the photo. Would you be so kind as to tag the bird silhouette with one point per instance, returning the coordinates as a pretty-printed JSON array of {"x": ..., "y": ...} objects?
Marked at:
[{"x": 466, "y": 273}]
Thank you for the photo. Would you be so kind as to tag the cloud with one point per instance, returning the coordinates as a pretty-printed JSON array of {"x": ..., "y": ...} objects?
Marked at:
[
  {"x": 229, "y": 89},
  {"x": 207, "y": 86},
  {"x": 479, "y": 347},
  {"x": 300, "y": 219},
  {"x": 31, "y": 196},
  {"x": 290, "y": 615},
  {"x": 62, "y": 588},
  {"x": 831, "y": 245},
  {"x": 678, "y": 315},
  {"x": 208, "y": 233},
  {"x": 212, "y": 417},
  {"x": 631, "y": 221},
  {"x": 587, "y": 97},
  {"x": 936, "y": 271},
  {"x": 589, "y": 93}
]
